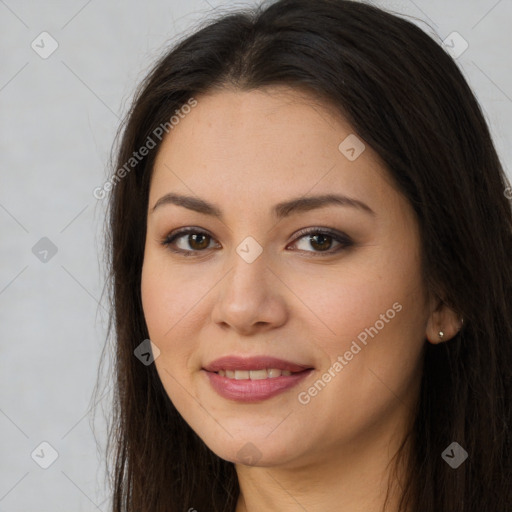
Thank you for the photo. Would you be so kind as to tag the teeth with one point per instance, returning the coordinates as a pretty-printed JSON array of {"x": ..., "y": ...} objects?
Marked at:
[
  {"x": 258, "y": 374},
  {"x": 271, "y": 373}
]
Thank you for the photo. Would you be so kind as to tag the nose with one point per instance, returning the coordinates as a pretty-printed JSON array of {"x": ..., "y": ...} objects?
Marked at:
[{"x": 251, "y": 297}]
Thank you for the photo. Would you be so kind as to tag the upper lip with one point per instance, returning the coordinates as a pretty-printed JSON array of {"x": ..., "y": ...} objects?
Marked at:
[{"x": 253, "y": 363}]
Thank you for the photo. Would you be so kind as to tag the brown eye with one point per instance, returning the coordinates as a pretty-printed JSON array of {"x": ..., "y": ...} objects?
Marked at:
[
  {"x": 321, "y": 240},
  {"x": 195, "y": 241}
]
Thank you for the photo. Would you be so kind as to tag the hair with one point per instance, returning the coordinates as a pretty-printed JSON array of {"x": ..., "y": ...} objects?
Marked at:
[{"x": 408, "y": 100}]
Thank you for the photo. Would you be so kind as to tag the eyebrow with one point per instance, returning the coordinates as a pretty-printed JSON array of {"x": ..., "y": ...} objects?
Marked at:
[{"x": 280, "y": 210}]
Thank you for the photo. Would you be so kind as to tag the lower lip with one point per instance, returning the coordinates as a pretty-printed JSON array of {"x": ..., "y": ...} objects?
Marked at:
[{"x": 247, "y": 390}]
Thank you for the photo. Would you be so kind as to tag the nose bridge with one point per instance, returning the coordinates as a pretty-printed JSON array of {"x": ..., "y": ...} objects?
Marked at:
[{"x": 248, "y": 267}]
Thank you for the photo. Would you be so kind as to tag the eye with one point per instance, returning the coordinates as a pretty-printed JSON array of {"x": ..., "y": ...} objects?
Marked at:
[
  {"x": 196, "y": 239},
  {"x": 322, "y": 238},
  {"x": 199, "y": 241}
]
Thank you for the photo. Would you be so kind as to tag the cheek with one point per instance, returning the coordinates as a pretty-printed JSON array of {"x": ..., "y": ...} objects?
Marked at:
[
  {"x": 167, "y": 299},
  {"x": 357, "y": 295},
  {"x": 165, "y": 303},
  {"x": 155, "y": 296},
  {"x": 171, "y": 301},
  {"x": 374, "y": 322}
]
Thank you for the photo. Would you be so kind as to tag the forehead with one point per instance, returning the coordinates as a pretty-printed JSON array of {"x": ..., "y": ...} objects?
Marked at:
[
  {"x": 231, "y": 122},
  {"x": 261, "y": 144}
]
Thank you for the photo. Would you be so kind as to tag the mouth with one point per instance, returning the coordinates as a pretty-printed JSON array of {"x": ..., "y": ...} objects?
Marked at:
[{"x": 254, "y": 379}]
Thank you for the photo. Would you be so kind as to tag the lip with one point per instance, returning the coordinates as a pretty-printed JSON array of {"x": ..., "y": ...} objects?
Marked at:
[
  {"x": 247, "y": 390},
  {"x": 254, "y": 363}
]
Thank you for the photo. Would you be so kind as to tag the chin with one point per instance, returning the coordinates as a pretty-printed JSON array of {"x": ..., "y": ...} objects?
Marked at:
[{"x": 256, "y": 452}]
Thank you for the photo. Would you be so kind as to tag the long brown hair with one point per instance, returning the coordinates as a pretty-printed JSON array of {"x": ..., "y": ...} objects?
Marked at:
[{"x": 406, "y": 98}]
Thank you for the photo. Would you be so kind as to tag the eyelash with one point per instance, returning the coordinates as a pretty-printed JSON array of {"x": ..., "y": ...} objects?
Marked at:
[{"x": 335, "y": 235}]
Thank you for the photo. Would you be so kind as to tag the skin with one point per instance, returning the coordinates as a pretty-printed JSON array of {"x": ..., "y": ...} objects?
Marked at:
[{"x": 245, "y": 152}]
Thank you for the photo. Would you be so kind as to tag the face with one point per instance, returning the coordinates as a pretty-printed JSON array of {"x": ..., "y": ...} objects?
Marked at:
[{"x": 332, "y": 286}]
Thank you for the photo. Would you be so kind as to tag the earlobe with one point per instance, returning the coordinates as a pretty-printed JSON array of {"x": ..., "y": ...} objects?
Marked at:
[
  {"x": 439, "y": 337},
  {"x": 443, "y": 324}
]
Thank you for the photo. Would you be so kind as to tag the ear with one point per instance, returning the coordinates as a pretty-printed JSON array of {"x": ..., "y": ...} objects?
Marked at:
[{"x": 443, "y": 320}]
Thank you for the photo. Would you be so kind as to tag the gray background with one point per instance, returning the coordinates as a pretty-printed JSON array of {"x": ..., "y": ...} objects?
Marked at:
[{"x": 57, "y": 124}]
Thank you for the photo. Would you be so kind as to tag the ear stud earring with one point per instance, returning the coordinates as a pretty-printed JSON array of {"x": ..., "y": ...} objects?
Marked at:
[{"x": 441, "y": 335}]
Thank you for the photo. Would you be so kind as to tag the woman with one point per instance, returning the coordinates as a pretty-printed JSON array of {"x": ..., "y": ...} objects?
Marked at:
[{"x": 310, "y": 223}]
